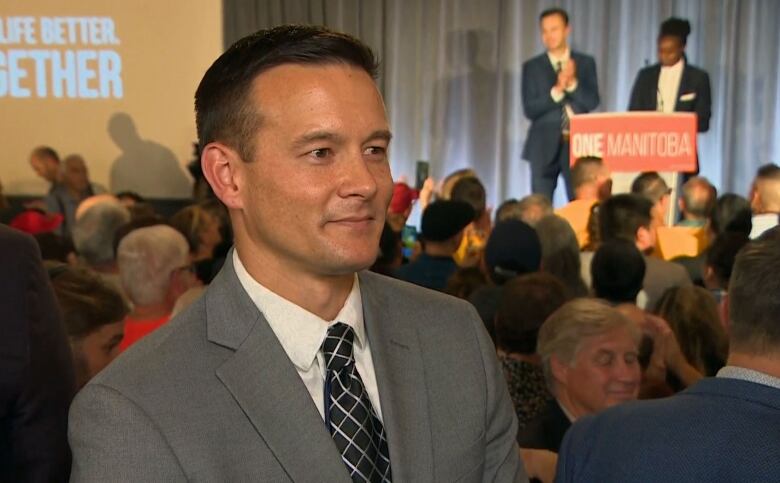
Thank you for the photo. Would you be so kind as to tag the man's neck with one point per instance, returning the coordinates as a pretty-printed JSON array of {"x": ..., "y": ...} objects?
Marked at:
[
  {"x": 587, "y": 193},
  {"x": 765, "y": 364},
  {"x": 150, "y": 312},
  {"x": 324, "y": 296},
  {"x": 560, "y": 51},
  {"x": 571, "y": 410},
  {"x": 433, "y": 249}
]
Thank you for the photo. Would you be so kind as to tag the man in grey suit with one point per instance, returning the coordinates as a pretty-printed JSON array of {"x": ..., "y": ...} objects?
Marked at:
[{"x": 297, "y": 365}]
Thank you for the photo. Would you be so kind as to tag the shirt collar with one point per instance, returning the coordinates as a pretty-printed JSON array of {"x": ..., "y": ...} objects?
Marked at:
[
  {"x": 562, "y": 59},
  {"x": 300, "y": 332},
  {"x": 736, "y": 372},
  {"x": 675, "y": 67}
]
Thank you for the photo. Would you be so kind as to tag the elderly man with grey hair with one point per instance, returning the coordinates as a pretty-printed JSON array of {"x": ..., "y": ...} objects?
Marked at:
[
  {"x": 589, "y": 355},
  {"x": 97, "y": 222},
  {"x": 529, "y": 209},
  {"x": 155, "y": 269}
]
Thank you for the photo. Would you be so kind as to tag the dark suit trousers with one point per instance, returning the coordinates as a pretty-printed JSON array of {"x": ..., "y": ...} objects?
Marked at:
[{"x": 544, "y": 177}]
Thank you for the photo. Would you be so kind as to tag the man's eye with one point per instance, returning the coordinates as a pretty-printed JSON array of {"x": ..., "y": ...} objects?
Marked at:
[
  {"x": 321, "y": 153},
  {"x": 375, "y": 151}
]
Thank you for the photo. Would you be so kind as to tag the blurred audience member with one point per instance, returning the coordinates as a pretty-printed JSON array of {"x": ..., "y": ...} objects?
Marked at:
[
  {"x": 765, "y": 199},
  {"x": 36, "y": 369},
  {"x": 94, "y": 315},
  {"x": 618, "y": 271},
  {"x": 470, "y": 190},
  {"x": 513, "y": 249},
  {"x": 533, "y": 208},
  {"x": 94, "y": 233},
  {"x": 46, "y": 163},
  {"x": 724, "y": 428},
  {"x": 526, "y": 302},
  {"x": 33, "y": 222},
  {"x": 629, "y": 217},
  {"x": 719, "y": 262},
  {"x": 561, "y": 254},
  {"x": 400, "y": 206},
  {"x": 74, "y": 187},
  {"x": 692, "y": 314},
  {"x": 592, "y": 183},
  {"x": 696, "y": 202},
  {"x": 508, "y": 210},
  {"x": 445, "y": 191},
  {"x": 56, "y": 248},
  {"x": 594, "y": 234},
  {"x": 465, "y": 282},
  {"x": 589, "y": 356},
  {"x": 652, "y": 186},
  {"x": 443, "y": 223},
  {"x": 130, "y": 198},
  {"x": 201, "y": 230},
  {"x": 731, "y": 213},
  {"x": 155, "y": 269},
  {"x": 390, "y": 255}
]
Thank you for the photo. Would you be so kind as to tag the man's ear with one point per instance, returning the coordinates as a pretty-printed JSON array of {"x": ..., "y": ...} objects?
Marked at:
[
  {"x": 222, "y": 168},
  {"x": 559, "y": 370}
]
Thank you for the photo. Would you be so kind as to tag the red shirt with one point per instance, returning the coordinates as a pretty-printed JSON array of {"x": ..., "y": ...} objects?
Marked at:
[{"x": 136, "y": 329}]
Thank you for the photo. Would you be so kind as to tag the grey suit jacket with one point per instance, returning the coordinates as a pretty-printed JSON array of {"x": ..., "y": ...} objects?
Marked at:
[{"x": 212, "y": 396}]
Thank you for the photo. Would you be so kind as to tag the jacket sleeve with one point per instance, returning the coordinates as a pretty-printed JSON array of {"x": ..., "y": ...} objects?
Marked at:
[
  {"x": 704, "y": 103},
  {"x": 502, "y": 457},
  {"x": 38, "y": 411},
  {"x": 113, "y": 439},
  {"x": 635, "y": 102},
  {"x": 536, "y": 101},
  {"x": 586, "y": 97}
]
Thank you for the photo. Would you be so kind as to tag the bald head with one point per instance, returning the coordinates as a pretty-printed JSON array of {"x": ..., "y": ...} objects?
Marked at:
[{"x": 698, "y": 196}]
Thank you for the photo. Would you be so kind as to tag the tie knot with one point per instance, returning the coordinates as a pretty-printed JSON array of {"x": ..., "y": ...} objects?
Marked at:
[{"x": 337, "y": 347}]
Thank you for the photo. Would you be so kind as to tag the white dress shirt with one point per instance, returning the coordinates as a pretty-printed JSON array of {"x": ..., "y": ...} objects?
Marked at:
[
  {"x": 742, "y": 373},
  {"x": 669, "y": 86},
  {"x": 762, "y": 223},
  {"x": 301, "y": 334}
]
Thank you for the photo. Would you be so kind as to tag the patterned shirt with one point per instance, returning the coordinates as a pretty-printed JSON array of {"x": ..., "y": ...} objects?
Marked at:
[{"x": 527, "y": 388}]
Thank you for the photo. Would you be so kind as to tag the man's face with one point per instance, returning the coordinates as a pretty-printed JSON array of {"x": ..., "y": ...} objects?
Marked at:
[
  {"x": 96, "y": 350},
  {"x": 44, "y": 167},
  {"x": 76, "y": 176},
  {"x": 670, "y": 50},
  {"x": 554, "y": 32},
  {"x": 316, "y": 193},
  {"x": 605, "y": 372}
]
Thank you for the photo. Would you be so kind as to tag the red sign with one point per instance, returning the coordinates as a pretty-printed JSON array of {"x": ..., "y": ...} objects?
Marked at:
[{"x": 636, "y": 141}]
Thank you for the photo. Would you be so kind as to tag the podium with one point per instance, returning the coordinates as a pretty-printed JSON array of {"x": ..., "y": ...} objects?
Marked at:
[{"x": 637, "y": 141}]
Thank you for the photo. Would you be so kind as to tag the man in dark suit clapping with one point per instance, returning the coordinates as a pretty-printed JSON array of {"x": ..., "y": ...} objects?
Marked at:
[{"x": 556, "y": 85}]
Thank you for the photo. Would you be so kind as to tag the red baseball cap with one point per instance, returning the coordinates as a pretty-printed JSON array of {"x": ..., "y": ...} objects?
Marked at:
[{"x": 34, "y": 222}]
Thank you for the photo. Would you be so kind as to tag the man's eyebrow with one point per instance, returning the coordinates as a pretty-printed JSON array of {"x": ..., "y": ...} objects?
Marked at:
[
  {"x": 382, "y": 134},
  {"x": 315, "y": 136}
]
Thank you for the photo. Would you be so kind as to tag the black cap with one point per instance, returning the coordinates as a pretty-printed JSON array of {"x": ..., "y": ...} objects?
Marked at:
[
  {"x": 513, "y": 249},
  {"x": 442, "y": 220}
]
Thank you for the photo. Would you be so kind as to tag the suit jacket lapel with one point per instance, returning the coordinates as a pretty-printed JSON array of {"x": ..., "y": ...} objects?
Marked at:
[
  {"x": 266, "y": 385},
  {"x": 685, "y": 80},
  {"x": 400, "y": 377}
]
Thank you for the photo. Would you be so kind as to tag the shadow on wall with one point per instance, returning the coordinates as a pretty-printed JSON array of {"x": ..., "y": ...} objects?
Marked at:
[{"x": 144, "y": 166}]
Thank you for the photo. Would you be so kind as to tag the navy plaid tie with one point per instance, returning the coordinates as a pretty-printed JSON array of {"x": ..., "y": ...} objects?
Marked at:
[{"x": 352, "y": 421}]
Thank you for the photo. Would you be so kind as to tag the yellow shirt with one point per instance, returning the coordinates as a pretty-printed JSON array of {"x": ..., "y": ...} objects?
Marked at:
[{"x": 577, "y": 213}]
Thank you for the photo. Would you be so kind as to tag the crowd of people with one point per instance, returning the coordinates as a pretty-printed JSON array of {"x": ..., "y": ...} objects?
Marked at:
[{"x": 584, "y": 310}]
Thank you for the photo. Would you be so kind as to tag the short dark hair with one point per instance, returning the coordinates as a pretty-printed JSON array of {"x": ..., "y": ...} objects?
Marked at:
[
  {"x": 768, "y": 171},
  {"x": 651, "y": 185},
  {"x": 555, "y": 11},
  {"x": 622, "y": 215},
  {"x": 676, "y": 27},
  {"x": 46, "y": 152},
  {"x": 753, "y": 300},
  {"x": 731, "y": 213},
  {"x": 526, "y": 302},
  {"x": 617, "y": 271},
  {"x": 471, "y": 191},
  {"x": 223, "y": 110},
  {"x": 722, "y": 253},
  {"x": 585, "y": 170}
]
